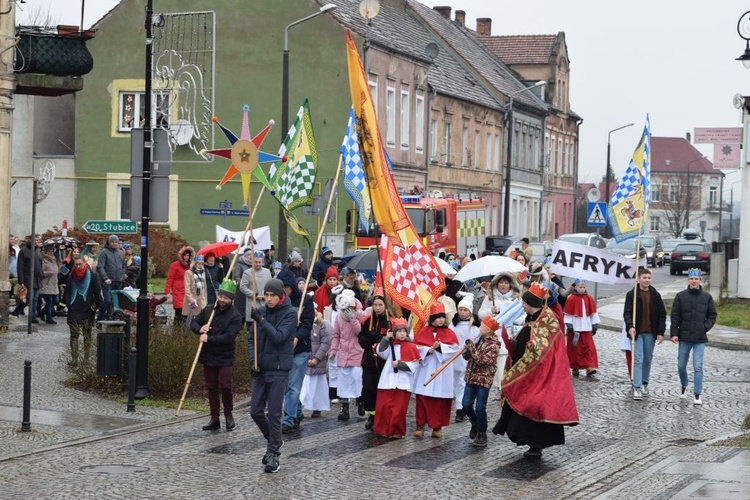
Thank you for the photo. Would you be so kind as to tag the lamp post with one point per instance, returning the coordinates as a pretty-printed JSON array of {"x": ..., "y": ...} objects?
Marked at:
[
  {"x": 509, "y": 152},
  {"x": 743, "y": 29},
  {"x": 687, "y": 195},
  {"x": 743, "y": 268},
  {"x": 282, "y": 233},
  {"x": 607, "y": 193},
  {"x": 731, "y": 209}
]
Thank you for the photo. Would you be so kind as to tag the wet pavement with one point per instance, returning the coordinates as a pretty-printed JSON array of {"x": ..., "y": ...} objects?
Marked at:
[{"x": 83, "y": 446}]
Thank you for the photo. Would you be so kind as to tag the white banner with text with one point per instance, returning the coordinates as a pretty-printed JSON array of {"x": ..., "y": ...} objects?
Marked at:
[
  {"x": 593, "y": 264},
  {"x": 262, "y": 237}
]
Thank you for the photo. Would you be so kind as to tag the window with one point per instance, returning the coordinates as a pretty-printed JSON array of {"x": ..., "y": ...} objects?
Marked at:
[
  {"x": 390, "y": 116},
  {"x": 656, "y": 193},
  {"x": 132, "y": 108},
  {"x": 560, "y": 154},
  {"x": 488, "y": 152},
  {"x": 447, "y": 144},
  {"x": 373, "y": 84},
  {"x": 477, "y": 147},
  {"x": 419, "y": 124},
  {"x": 496, "y": 154},
  {"x": 123, "y": 202},
  {"x": 548, "y": 154},
  {"x": 674, "y": 192},
  {"x": 405, "y": 111},
  {"x": 465, "y": 146},
  {"x": 530, "y": 150},
  {"x": 713, "y": 197},
  {"x": 433, "y": 140},
  {"x": 654, "y": 223}
]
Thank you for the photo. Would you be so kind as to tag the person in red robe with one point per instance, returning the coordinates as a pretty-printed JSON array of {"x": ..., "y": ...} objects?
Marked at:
[
  {"x": 581, "y": 320},
  {"x": 538, "y": 399},
  {"x": 325, "y": 296},
  {"x": 436, "y": 343},
  {"x": 394, "y": 387}
]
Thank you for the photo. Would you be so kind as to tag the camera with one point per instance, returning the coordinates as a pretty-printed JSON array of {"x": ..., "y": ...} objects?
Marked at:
[{"x": 518, "y": 249}]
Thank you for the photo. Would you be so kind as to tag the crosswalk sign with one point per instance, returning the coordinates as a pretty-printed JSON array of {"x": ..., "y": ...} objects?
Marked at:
[{"x": 596, "y": 214}]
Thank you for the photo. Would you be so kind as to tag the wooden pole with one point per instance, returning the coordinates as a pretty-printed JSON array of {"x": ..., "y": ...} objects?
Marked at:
[{"x": 445, "y": 365}]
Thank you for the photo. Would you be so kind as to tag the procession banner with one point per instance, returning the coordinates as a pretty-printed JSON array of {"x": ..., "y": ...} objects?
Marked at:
[
  {"x": 262, "y": 236},
  {"x": 593, "y": 264}
]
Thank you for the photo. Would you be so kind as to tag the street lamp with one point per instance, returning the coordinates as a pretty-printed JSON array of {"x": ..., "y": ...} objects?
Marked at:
[
  {"x": 282, "y": 234},
  {"x": 509, "y": 127},
  {"x": 687, "y": 196},
  {"x": 731, "y": 209},
  {"x": 609, "y": 166},
  {"x": 743, "y": 29}
]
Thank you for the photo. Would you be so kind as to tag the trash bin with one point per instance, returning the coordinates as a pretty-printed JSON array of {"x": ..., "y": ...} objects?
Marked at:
[{"x": 110, "y": 347}]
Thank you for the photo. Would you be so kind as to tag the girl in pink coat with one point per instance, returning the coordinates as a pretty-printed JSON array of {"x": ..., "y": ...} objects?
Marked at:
[{"x": 346, "y": 351}]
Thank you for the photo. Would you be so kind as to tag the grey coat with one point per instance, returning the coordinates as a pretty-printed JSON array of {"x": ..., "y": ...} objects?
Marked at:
[
  {"x": 320, "y": 344},
  {"x": 111, "y": 264}
]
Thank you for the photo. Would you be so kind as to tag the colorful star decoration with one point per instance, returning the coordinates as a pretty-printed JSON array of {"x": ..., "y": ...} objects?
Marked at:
[{"x": 245, "y": 155}]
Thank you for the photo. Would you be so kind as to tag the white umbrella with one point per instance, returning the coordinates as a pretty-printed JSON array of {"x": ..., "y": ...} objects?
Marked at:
[
  {"x": 489, "y": 266},
  {"x": 446, "y": 268}
]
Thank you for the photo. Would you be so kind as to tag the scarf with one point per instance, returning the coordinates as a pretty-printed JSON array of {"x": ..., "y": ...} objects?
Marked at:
[
  {"x": 79, "y": 283},
  {"x": 200, "y": 280}
]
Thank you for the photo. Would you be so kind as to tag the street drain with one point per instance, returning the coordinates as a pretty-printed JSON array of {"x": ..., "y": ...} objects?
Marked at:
[
  {"x": 114, "y": 469},
  {"x": 686, "y": 442}
]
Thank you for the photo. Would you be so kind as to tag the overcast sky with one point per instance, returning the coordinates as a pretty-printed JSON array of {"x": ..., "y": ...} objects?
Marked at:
[{"x": 673, "y": 59}]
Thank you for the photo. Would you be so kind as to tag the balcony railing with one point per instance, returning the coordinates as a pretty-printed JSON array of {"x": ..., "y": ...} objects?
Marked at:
[{"x": 58, "y": 51}]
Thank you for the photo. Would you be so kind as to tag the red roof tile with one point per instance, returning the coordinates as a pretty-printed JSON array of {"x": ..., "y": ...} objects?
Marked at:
[
  {"x": 672, "y": 154},
  {"x": 521, "y": 49}
]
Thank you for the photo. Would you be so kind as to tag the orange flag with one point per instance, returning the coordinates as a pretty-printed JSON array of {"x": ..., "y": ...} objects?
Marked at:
[{"x": 412, "y": 277}]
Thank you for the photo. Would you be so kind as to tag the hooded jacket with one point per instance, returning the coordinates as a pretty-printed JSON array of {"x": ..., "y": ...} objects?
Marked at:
[
  {"x": 320, "y": 268},
  {"x": 24, "y": 266},
  {"x": 306, "y": 319},
  {"x": 176, "y": 277},
  {"x": 275, "y": 337}
]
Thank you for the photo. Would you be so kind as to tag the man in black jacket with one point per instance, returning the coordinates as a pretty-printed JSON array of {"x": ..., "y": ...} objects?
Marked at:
[
  {"x": 292, "y": 405},
  {"x": 83, "y": 295},
  {"x": 693, "y": 315},
  {"x": 217, "y": 355},
  {"x": 271, "y": 357},
  {"x": 647, "y": 328},
  {"x": 24, "y": 275}
]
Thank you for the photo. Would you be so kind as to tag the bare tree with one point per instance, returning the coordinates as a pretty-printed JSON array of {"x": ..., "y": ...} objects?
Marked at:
[
  {"x": 35, "y": 15},
  {"x": 670, "y": 199}
]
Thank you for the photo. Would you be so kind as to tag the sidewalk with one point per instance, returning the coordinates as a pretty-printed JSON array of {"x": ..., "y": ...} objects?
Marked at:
[{"x": 722, "y": 337}]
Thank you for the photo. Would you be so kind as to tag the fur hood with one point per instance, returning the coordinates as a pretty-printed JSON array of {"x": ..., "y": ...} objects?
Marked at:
[{"x": 515, "y": 285}]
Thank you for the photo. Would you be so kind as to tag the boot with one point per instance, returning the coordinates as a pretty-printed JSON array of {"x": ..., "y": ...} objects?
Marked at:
[
  {"x": 419, "y": 432},
  {"x": 481, "y": 440},
  {"x": 230, "y": 423},
  {"x": 344, "y": 415},
  {"x": 532, "y": 452},
  {"x": 213, "y": 425},
  {"x": 370, "y": 422},
  {"x": 315, "y": 414},
  {"x": 437, "y": 433},
  {"x": 473, "y": 433},
  {"x": 460, "y": 416},
  {"x": 360, "y": 407}
]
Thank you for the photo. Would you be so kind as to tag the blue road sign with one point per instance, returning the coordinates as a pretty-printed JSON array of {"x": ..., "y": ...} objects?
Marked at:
[
  {"x": 213, "y": 211},
  {"x": 225, "y": 204},
  {"x": 597, "y": 214},
  {"x": 238, "y": 213}
]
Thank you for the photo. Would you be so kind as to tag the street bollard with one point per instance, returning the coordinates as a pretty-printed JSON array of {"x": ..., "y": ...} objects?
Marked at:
[
  {"x": 26, "y": 422},
  {"x": 131, "y": 380}
]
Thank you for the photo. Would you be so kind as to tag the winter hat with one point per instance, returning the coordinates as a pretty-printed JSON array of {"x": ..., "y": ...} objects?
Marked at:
[
  {"x": 275, "y": 286},
  {"x": 345, "y": 299},
  {"x": 332, "y": 272},
  {"x": 287, "y": 278},
  {"x": 113, "y": 238},
  {"x": 300, "y": 279},
  {"x": 325, "y": 250},
  {"x": 536, "y": 295},
  {"x": 467, "y": 302},
  {"x": 491, "y": 323},
  {"x": 295, "y": 256}
]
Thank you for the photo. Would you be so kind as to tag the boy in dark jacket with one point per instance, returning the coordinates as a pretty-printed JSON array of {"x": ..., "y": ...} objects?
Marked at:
[
  {"x": 217, "y": 355},
  {"x": 480, "y": 371},
  {"x": 693, "y": 315},
  {"x": 271, "y": 358}
]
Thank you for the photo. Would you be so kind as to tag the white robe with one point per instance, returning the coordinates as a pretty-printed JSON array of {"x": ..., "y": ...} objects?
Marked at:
[
  {"x": 442, "y": 385},
  {"x": 463, "y": 330},
  {"x": 402, "y": 379}
]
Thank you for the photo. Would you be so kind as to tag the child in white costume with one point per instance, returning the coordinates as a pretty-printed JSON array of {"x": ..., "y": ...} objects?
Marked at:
[{"x": 465, "y": 326}]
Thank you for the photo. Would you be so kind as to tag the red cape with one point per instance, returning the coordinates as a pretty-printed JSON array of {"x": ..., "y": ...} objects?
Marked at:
[
  {"x": 574, "y": 305},
  {"x": 409, "y": 351},
  {"x": 538, "y": 386},
  {"x": 444, "y": 335}
]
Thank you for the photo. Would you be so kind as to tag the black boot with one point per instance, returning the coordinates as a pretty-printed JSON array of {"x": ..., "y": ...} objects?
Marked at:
[
  {"x": 230, "y": 423},
  {"x": 344, "y": 415},
  {"x": 460, "y": 416},
  {"x": 360, "y": 407},
  {"x": 481, "y": 440},
  {"x": 370, "y": 422},
  {"x": 213, "y": 425}
]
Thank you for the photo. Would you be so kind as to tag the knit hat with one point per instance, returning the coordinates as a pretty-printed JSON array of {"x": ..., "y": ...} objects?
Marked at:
[
  {"x": 491, "y": 323},
  {"x": 274, "y": 286},
  {"x": 228, "y": 288},
  {"x": 325, "y": 250},
  {"x": 300, "y": 280},
  {"x": 113, "y": 238},
  {"x": 536, "y": 295},
  {"x": 287, "y": 278},
  {"x": 467, "y": 302},
  {"x": 332, "y": 272},
  {"x": 295, "y": 256}
]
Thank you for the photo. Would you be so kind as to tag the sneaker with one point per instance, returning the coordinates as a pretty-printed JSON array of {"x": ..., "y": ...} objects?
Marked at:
[
  {"x": 532, "y": 452},
  {"x": 697, "y": 400},
  {"x": 273, "y": 464},
  {"x": 683, "y": 394},
  {"x": 315, "y": 414},
  {"x": 576, "y": 373},
  {"x": 644, "y": 389},
  {"x": 286, "y": 429},
  {"x": 268, "y": 454},
  {"x": 637, "y": 395}
]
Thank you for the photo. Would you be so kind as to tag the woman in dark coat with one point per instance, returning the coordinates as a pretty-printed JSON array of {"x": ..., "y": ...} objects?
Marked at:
[
  {"x": 374, "y": 329},
  {"x": 83, "y": 296}
]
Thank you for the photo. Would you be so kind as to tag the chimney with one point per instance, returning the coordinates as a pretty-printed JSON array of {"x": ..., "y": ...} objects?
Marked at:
[
  {"x": 484, "y": 26},
  {"x": 461, "y": 17},
  {"x": 687, "y": 136},
  {"x": 444, "y": 11}
]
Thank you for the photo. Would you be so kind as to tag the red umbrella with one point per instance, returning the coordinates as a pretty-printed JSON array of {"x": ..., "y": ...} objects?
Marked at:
[{"x": 219, "y": 249}]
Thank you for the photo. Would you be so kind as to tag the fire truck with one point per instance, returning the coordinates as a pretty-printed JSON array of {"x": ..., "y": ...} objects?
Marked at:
[{"x": 446, "y": 225}]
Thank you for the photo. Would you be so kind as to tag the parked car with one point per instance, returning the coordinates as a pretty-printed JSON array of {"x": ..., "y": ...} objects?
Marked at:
[
  {"x": 654, "y": 250},
  {"x": 668, "y": 246},
  {"x": 540, "y": 250},
  {"x": 626, "y": 248},
  {"x": 497, "y": 245},
  {"x": 689, "y": 255},
  {"x": 588, "y": 239}
]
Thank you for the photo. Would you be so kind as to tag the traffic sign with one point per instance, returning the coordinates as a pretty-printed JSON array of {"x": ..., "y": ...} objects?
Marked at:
[
  {"x": 596, "y": 214},
  {"x": 225, "y": 204},
  {"x": 213, "y": 211},
  {"x": 111, "y": 226}
]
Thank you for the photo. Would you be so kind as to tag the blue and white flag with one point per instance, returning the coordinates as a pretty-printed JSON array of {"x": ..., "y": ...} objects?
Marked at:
[{"x": 354, "y": 175}]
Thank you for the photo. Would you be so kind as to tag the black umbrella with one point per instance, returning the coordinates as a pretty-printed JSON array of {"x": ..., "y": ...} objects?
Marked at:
[
  {"x": 68, "y": 241},
  {"x": 364, "y": 261}
]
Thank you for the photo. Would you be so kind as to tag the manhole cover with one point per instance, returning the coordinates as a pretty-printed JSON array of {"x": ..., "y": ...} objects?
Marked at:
[{"x": 114, "y": 469}]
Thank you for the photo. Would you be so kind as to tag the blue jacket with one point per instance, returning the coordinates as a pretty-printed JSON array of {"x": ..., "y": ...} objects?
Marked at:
[
  {"x": 275, "y": 339},
  {"x": 306, "y": 319}
]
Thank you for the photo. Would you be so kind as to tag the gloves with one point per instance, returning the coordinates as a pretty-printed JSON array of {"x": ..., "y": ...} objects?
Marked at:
[
  {"x": 569, "y": 327},
  {"x": 593, "y": 329},
  {"x": 256, "y": 315},
  {"x": 255, "y": 373},
  {"x": 468, "y": 342}
]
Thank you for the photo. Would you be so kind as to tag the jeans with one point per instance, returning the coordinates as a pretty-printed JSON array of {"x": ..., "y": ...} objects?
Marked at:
[
  {"x": 106, "y": 308},
  {"x": 292, "y": 405},
  {"x": 476, "y": 416},
  {"x": 268, "y": 391},
  {"x": 644, "y": 353},
  {"x": 49, "y": 305},
  {"x": 683, "y": 353}
]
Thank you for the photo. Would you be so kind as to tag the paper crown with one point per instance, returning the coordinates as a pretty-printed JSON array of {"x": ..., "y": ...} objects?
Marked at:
[
  {"x": 398, "y": 324},
  {"x": 436, "y": 309},
  {"x": 228, "y": 287},
  {"x": 579, "y": 281},
  {"x": 491, "y": 323},
  {"x": 694, "y": 273},
  {"x": 258, "y": 254},
  {"x": 378, "y": 292},
  {"x": 538, "y": 290},
  {"x": 523, "y": 275}
]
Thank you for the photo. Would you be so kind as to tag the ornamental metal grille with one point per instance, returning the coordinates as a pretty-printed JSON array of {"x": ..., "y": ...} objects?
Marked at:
[{"x": 183, "y": 65}]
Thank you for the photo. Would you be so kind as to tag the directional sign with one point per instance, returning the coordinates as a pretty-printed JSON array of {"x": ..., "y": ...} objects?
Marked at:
[
  {"x": 596, "y": 214},
  {"x": 213, "y": 211},
  {"x": 225, "y": 204},
  {"x": 111, "y": 226},
  {"x": 224, "y": 212}
]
